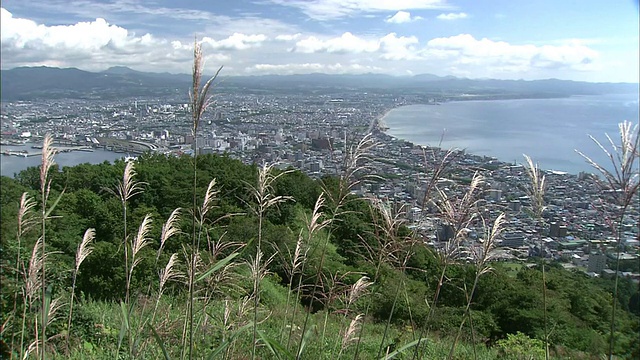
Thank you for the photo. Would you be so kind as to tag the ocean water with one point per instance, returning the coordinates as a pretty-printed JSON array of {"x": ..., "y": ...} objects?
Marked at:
[
  {"x": 11, "y": 165},
  {"x": 548, "y": 130}
]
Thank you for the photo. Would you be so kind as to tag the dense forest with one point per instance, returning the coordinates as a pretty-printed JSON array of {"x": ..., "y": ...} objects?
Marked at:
[{"x": 269, "y": 263}]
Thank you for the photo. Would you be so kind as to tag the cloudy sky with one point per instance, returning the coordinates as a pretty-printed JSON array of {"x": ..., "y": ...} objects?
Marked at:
[{"x": 591, "y": 40}]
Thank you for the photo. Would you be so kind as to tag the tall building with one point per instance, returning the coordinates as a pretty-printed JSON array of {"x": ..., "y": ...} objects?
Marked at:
[
  {"x": 513, "y": 240},
  {"x": 494, "y": 194},
  {"x": 554, "y": 229},
  {"x": 596, "y": 263}
]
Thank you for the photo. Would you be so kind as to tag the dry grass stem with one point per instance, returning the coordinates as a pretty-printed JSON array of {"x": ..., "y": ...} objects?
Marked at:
[{"x": 621, "y": 184}]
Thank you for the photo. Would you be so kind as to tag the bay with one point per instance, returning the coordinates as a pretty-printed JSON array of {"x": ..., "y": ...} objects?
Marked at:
[
  {"x": 548, "y": 130},
  {"x": 11, "y": 165}
]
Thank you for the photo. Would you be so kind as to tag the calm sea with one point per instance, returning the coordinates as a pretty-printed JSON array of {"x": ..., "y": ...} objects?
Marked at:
[
  {"x": 11, "y": 165},
  {"x": 548, "y": 130}
]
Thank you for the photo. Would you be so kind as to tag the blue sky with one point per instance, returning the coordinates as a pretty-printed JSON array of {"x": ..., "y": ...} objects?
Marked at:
[{"x": 590, "y": 40}]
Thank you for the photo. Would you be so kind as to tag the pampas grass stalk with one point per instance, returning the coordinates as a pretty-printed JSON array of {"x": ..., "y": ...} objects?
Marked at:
[
  {"x": 84, "y": 250},
  {"x": 264, "y": 199},
  {"x": 297, "y": 260},
  {"x": 393, "y": 250},
  {"x": 139, "y": 242},
  {"x": 354, "y": 164},
  {"x": 355, "y": 292},
  {"x": 622, "y": 183},
  {"x": 459, "y": 213},
  {"x": 169, "y": 229},
  {"x": 536, "y": 192},
  {"x": 199, "y": 102},
  {"x": 48, "y": 152},
  {"x": 32, "y": 285},
  {"x": 170, "y": 272},
  {"x": 50, "y": 310},
  {"x": 481, "y": 258},
  {"x": 350, "y": 334},
  {"x": 314, "y": 225},
  {"x": 26, "y": 221},
  {"x": 124, "y": 191}
]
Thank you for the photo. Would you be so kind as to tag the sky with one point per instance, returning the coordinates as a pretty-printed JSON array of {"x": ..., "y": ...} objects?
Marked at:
[{"x": 587, "y": 40}]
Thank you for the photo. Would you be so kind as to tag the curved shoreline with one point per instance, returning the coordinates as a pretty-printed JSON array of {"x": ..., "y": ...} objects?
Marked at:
[{"x": 519, "y": 126}]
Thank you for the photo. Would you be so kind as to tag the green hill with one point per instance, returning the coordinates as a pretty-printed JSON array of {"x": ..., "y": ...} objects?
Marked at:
[{"x": 273, "y": 275}]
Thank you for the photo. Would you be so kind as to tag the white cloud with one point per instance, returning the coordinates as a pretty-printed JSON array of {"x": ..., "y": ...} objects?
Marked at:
[
  {"x": 390, "y": 46},
  {"x": 398, "y": 48},
  {"x": 97, "y": 45},
  {"x": 452, "y": 16},
  {"x": 26, "y": 34},
  {"x": 402, "y": 17},
  {"x": 236, "y": 41},
  {"x": 288, "y": 37},
  {"x": 466, "y": 51},
  {"x": 303, "y": 68},
  {"x": 347, "y": 43},
  {"x": 332, "y": 9}
]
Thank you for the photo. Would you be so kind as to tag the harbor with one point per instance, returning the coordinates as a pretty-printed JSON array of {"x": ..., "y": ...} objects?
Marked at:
[{"x": 26, "y": 153}]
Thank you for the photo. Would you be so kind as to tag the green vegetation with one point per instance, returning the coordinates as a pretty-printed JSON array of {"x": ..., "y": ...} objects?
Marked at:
[
  {"x": 334, "y": 258},
  {"x": 204, "y": 257}
]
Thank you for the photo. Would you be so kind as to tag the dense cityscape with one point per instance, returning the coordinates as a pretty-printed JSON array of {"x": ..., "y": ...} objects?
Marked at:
[{"x": 312, "y": 132}]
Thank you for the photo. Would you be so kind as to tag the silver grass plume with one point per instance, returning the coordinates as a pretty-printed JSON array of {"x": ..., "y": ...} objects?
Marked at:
[
  {"x": 26, "y": 218},
  {"x": 200, "y": 100},
  {"x": 48, "y": 153},
  {"x": 169, "y": 228},
  {"x": 358, "y": 289},
  {"x": 128, "y": 187},
  {"x": 623, "y": 158},
  {"x": 33, "y": 281},
  {"x": 85, "y": 248},
  {"x": 537, "y": 189},
  {"x": 350, "y": 334},
  {"x": 622, "y": 183},
  {"x": 209, "y": 196},
  {"x": 139, "y": 242}
]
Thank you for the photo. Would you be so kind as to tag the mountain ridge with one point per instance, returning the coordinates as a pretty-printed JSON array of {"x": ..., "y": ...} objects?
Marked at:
[{"x": 25, "y": 83}]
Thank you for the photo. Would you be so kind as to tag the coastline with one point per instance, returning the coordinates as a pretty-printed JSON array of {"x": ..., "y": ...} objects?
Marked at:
[{"x": 553, "y": 147}]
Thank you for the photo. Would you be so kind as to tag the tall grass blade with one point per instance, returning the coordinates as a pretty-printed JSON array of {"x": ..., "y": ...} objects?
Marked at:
[
  {"x": 402, "y": 349},
  {"x": 159, "y": 342},
  {"x": 124, "y": 328},
  {"x": 219, "y": 265},
  {"x": 276, "y": 349},
  {"x": 304, "y": 341},
  {"x": 230, "y": 340}
]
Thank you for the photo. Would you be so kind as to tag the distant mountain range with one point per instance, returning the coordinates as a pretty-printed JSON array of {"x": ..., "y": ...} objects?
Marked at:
[{"x": 29, "y": 83}]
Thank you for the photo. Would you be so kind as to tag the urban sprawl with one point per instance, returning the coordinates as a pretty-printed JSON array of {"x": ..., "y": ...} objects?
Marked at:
[{"x": 312, "y": 133}]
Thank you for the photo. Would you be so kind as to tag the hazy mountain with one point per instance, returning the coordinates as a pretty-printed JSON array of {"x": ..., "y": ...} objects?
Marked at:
[{"x": 26, "y": 83}]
